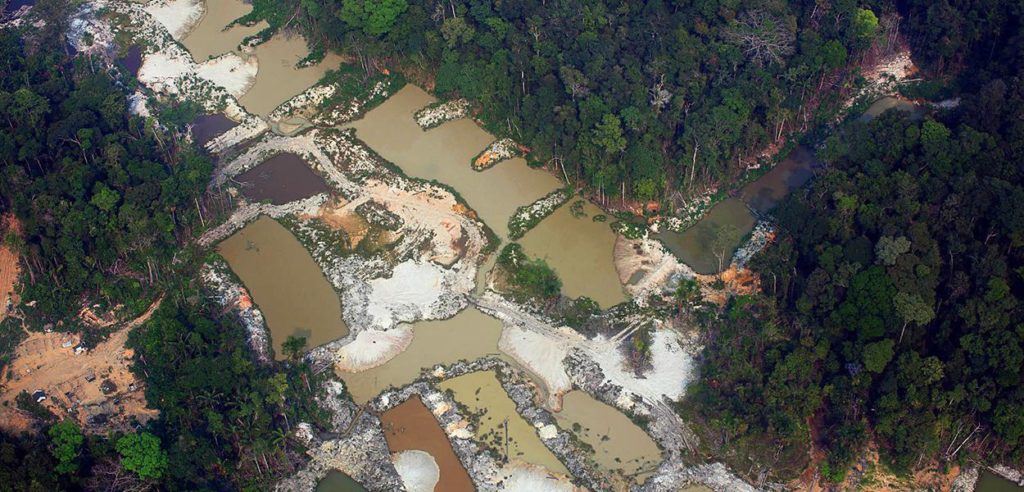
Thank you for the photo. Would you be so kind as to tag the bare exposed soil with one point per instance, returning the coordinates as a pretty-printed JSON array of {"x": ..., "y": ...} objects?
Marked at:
[
  {"x": 48, "y": 362},
  {"x": 9, "y": 267}
]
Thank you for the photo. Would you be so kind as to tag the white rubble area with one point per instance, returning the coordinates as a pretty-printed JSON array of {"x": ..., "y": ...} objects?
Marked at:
[
  {"x": 234, "y": 296},
  {"x": 645, "y": 267},
  {"x": 543, "y": 355},
  {"x": 673, "y": 367},
  {"x": 759, "y": 238},
  {"x": 100, "y": 37},
  {"x": 230, "y": 71},
  {"x": 305, "y": 101},
  {"x": 410, "y": 293},
  {"x": 168, "y": 68},
  {"x": 498, "y": 150},
  {"x": 137, "y": 104},
  {"x": 162, "y": 71},
  {"x": 418, "y": 469},
  {"x": 351, "y": 109},
  {"x": 523, "y": 477},
  {"x": 250, "y": 212},
  {"x": 177, "y": 16},
  {"x": 884, "y": 78},
  {"x": 371, "y": 348},
  {"x": 437, "y": 114}
]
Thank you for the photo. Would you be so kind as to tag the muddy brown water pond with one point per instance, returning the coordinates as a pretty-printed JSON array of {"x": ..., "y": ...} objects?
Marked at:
[
  {"x": 482, "y": 393},
  {"x": 468, "y": 335},
  {"x": 209, "y": 38},
  {"x": 444, "y": 154},
  {"x": 990, "y": 482},
  {"x": 580, "y": 250},
  {"x": 206, "y": 127},
  {"x": 411, "y": 426},
  {"x": 278, "y": 79},
  {"x": 700, "y": 246},
  {"x": 618, "y": 443},
  {"x": 336, "y": 481},
  {"x": 283, "y": 178},
  {"x": 285, "y": 282}
]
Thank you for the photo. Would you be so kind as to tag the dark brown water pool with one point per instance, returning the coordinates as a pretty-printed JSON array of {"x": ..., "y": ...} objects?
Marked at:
[{"x": 281, "y": 179}]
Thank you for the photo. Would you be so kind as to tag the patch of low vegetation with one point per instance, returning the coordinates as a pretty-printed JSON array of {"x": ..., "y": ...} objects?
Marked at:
[{"x": 528, "y": 279}]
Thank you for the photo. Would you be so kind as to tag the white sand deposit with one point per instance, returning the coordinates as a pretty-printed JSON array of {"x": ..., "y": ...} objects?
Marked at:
[
  {"x": 543, "y": 355},
  {"x": 231, "y": 72},
  {"x": 178, "y": 16},
  {"x": 413, "y": 287},
  {"x": 520, "y": 477},
  {"x": 673, "y": 367},
  {"x": 371, "y": 348},
  {"x": 418, "y": 469}
]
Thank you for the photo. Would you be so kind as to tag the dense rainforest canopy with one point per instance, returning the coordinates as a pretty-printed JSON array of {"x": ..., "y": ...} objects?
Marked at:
[{"x": 893, "y": 307}]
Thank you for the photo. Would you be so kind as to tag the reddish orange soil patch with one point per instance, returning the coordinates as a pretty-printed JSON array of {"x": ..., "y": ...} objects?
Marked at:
[
  {"x": 411, "y": 426},
  {"x": 9, "y": 268},
  {"x": 74, "y": 382}
]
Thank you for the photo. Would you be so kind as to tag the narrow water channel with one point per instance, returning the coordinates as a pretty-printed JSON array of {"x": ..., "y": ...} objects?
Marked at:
[
  {"x": 469, "y": 335},
  {"x": 444, "y": 154},
  {"x": 711, "y": 242},
  {"x": 990, "y": 482},
  {"x": 482, "y": 393},
  {"x": 580, "y": 250},
  {"x": 284, "y": 281}
]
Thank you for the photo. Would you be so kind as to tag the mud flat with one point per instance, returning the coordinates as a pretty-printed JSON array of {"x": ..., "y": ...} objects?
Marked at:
[
  {"x": 283, "y": 178},
  {"x": 483, "y": 395},
  {"x": 467, "y": 336},
  {"x": 285, "y": 283},
  {"x": 618, "y": 443},
  {"x": 580, "y": 250},
  {"x": 444, "y": 153},
  {"x": 411, "y": 426},
  {"x": 208, "y": 38}
]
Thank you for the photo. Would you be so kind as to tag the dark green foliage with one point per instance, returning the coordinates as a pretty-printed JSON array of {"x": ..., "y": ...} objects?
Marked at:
[
  {"x": 218, "y": 410},
  {"x": 528, "y": 279},
  {"x": 102, "y": 195},
  {"x": 27, "y": 465},
  {"x": 66, "y": 441},
  {"x": 899, "y": 276},
  {"x": 141, "y": 454}
]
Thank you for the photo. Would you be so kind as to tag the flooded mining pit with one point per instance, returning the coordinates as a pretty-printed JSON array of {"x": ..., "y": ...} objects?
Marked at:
[
  {"x": 286, "y": 284},
  {"x": 281, "y": 179}
]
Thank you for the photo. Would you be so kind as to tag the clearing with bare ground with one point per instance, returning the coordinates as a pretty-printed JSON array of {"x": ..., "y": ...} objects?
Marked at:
[{"x": 95, "y": 387}]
